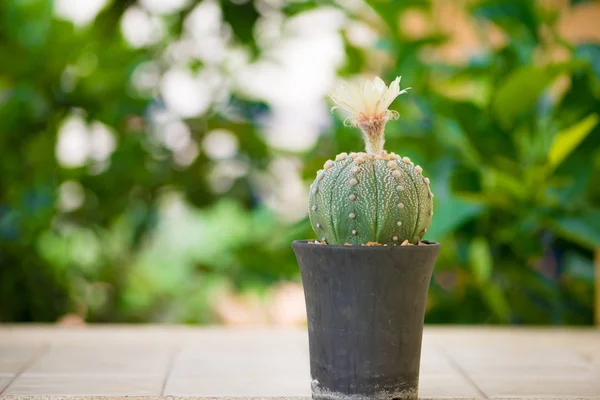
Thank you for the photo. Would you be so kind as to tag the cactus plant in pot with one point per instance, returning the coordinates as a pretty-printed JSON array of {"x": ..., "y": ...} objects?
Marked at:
[{"x": 367, "y": 276}]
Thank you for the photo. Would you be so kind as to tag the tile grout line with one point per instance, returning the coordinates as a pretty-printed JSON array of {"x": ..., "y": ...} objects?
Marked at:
[
  {"x": 26, "y": 365},
  {"x": 463, "y": 373},
  {"x": 174, "y": 355}
]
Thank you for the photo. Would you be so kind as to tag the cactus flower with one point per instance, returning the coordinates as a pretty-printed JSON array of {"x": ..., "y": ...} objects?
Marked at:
[{"x": 367, "y": 105}]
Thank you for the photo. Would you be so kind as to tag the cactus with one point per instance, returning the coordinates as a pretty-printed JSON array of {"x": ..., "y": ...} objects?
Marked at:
[{"x": 374, "y": 196}]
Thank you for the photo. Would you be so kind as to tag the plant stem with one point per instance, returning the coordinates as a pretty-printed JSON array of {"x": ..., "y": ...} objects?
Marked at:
[{"x": 373, "y": 134}]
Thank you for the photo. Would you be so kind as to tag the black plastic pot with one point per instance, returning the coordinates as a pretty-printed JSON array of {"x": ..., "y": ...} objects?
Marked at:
[{"x": 365, "y": 308}]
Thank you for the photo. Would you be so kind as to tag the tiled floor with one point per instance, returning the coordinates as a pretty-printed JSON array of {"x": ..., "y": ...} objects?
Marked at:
[
  {"x": 4, "y": 381},
  {"x": 218, "y": 362}
]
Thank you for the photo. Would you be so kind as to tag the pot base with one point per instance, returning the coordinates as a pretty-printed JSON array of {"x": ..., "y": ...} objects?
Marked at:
[{"x": 319, "y": 393}]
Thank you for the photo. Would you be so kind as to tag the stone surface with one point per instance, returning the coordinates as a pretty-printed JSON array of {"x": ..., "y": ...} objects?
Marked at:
[
  {"x": 13, "y": 358},
  {"x": 106, "y": 359},
  {"x": 236, "y": 385},
  {"x": 98, "y": 385},
  {"x": 446, "y": 385},
  {"x": 4, "y": 381},
  {"x": 118, "y": 362}
]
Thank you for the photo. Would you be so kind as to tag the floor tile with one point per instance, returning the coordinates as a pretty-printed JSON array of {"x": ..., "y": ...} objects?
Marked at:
[
  {"x": 15, "y": 358},
  {"x": 4, "y": 381},
  {"x": 433, "y": 362},
  {"x": 539, "y": 387},
  {"x": 105, "y": 359},
  {"x": 516, "y": 354},
  {"x": 521, "y": 362},
  {"x": 247, "y": 347},
  {"x": 242, "y": 365},
  {"x": 238, "y": 387},
  {"x": 114, "y": 385},
  {"x": 450, "y": 385}
]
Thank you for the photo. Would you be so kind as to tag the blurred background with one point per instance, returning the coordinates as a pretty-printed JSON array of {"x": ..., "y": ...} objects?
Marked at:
[{"x": 155, "y": 155}]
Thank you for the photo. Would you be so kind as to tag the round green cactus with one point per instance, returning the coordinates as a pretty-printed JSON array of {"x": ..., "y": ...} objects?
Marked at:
[
  {"x": 372, "y": 197},
  {"x": 364, "y": 198}
]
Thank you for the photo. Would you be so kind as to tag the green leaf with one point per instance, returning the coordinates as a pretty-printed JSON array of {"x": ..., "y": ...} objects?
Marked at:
[
  {"x": 520, "y": 93},
  {"x": 28, "y": 22},
  {"x": 450, "y": 134},
  {"x": 591, "y": 53},
  {"x": 511, "y": 15},
  {"x": 522, "y": 89},
  {"x": 389, "y": 10},
  {"x": 451, "y": 214},
  {"x": 583, "y": 229},
  {"x": 484, "y": 136},
  {"x": 293, "y": 8},
  {"x": 450, "y": 211},
  {"x": 567, "y": 140},
  {"x": 579, "y": 267},
  {"x": 354, "y": 59},
  {"x": 497, "y": 302},
  {"x": 480, "y": 259},
  {"x": 242, "y": 18}
]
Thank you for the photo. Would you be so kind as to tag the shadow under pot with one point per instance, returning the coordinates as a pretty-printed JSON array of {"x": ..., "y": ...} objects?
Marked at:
[{"x": 365, "y": 308}]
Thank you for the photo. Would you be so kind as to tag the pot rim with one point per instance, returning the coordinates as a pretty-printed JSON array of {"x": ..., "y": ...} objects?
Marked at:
[{"x": 428, "y": 247}]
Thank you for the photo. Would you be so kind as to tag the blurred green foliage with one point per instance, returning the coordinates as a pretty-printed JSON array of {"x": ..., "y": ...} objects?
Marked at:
[{"x": 513, "y": 156}]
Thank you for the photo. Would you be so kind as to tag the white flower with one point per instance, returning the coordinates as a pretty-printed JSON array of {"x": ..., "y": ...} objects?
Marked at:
[
  {"x": 368, "y": 105},
  {"x": 367, "y": 101}
]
